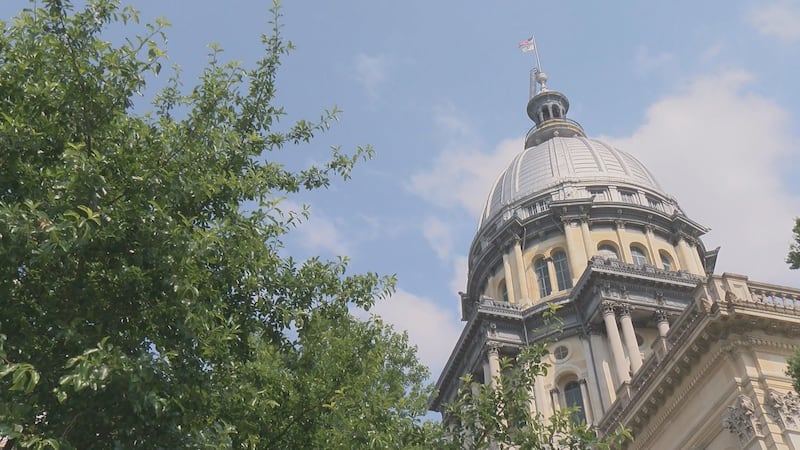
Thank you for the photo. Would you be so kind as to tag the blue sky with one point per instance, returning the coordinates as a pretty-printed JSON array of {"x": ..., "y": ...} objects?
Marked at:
[{"x": 704, "y": 93}]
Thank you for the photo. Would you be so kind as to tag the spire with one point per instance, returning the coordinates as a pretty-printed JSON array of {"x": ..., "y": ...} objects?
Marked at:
[{"x": 547, "y": 108}]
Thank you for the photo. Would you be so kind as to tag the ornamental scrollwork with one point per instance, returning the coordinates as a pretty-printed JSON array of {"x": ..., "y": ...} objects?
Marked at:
[
  {"x": 740, "y": 419},
  {"x": 784, "y": 409}
]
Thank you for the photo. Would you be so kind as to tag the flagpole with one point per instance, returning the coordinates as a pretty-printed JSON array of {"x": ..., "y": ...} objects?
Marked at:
[{"x": 537, "y": 75}]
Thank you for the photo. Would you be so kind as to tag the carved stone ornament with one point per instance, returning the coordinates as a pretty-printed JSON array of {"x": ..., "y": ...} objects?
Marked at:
[
  {"x": 784, "y": 409},
  {"x": 661, "y": 315},
  {"x": 608, "y": 307},
  {"x": 740, "y": 419}
]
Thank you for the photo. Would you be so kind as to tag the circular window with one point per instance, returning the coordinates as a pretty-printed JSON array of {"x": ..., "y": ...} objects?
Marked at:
[{"x": 560, "y": 353}]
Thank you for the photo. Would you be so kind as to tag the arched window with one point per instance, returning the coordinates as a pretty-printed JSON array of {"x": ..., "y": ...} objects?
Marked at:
[
  {"x": 607, "y": 251},
  {"x": 503, "y": 290},
  {"x": 638, "y": 255},
  {"x": 542, "y": 277},
  {"x": 666, "y": 260},
  {"x": 561, "y": 266},
  {"x": 574, "y": 399}
]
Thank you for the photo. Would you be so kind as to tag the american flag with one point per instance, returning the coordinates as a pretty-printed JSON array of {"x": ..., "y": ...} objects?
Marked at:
[{"x": 528, "y": 45}]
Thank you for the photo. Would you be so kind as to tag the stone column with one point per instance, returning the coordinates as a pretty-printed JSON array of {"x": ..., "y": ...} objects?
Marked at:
[
  {"x": 629, "y": 336},
  {"x": 662, "y": 322},
  {"x": 587, "y": 403},
  {"x": 522, "y": 280},
  {"x": 551, "y": 270},
  {"x": 686, "y": 257},
  {"x": 624, "y": 251},
  {"x": 588, "y": 242},
  {"x": 593, "y": 372},
  {"x": 493, "y": 355},
  {"x": 694, "y": 257},
  {"x": 660, "y": 345},
  {"x": 554, "y": 397},
  {"x": 575, "y": 248},
  {"x": 655, "y": 258},
  {"x": 614, "y": 341},
  {"x": 509, "y": 279},
  {"x": 606, "y": 383},
  {"x": 540, "y": 397}
]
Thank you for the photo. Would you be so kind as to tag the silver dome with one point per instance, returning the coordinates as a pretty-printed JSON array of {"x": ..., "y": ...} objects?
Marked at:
[{"x": 565, "y": 161}]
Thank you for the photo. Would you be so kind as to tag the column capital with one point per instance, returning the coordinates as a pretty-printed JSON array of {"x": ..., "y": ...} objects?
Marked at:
[
  {"x": 493, "y": 348},
  {"x": 620, "y": 224},
  {"x": 609, "y": 307},
  {"x": 623, "y": 309},
  {"x": 661, "y": 315}
]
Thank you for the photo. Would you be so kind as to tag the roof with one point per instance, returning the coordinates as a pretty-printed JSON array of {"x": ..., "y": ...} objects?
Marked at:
[{"x": 559, "y": 160}]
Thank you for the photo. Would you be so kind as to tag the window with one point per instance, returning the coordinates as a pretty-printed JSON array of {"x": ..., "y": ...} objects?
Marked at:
[
  {"x": 607, "y": 251},
  {"x": 560, "y": 353},
  {"x": 503, "y": 290},
  {"x": 542, "y": 277},
  {"x": 599, "y": 194},
  {"x": 639, "y": 258},
  {"x": 655, "y": 203},
  {"x": 540, "y": 206},
  {"x": 666, "y": 260},
  {"x": 628, "y": 196},
  {"x": 574, "y": 399},
  {"x": 563, "y": 277}
]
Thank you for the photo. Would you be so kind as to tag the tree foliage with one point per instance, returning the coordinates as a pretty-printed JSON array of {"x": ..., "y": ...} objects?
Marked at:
[
  {"x": 793, "y": 258},
  {"x": 146, "y": 302},
  {"x": 793, "y": 370}
]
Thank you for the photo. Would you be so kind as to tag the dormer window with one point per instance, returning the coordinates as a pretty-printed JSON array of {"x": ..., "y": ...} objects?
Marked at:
[
  {"x": 655, "y": 203},
  {"x": 628, "y": 196},
  {"x": 599, "y": 194}
]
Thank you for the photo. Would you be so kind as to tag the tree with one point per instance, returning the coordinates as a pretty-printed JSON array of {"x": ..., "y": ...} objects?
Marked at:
[
  {"x": 793, "y": 370},
  {"x": 793, "y": 258},
  {"x": 145, "y": 300}
]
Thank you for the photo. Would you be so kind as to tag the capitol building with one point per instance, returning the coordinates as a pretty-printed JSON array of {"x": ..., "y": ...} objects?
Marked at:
[{"x": 651, "y": 338}]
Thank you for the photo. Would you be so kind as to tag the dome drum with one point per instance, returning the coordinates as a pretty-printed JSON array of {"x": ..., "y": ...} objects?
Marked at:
[{"x": 653, "y": 227}]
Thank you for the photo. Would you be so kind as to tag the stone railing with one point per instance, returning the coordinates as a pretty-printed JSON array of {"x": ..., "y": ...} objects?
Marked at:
[
  {"x": 488, "y": 304},
  {"x": 645, "y": 269},
  {"x": 776, "y": 298}
]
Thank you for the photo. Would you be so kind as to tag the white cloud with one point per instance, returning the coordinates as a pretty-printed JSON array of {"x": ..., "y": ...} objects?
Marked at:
[
  {"x": 719, "y": 149},
  {"x": 464, "y": 176},
  {"x": 429, "y": 327},
  {"x": 371, "y": 71},
  {"x": 439, "y": 236},
  {"x": 780, "y": 20}
]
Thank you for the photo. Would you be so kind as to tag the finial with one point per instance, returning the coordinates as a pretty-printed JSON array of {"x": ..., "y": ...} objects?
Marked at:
[{"x": 537, "y": 75}]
